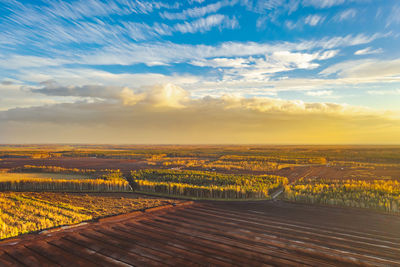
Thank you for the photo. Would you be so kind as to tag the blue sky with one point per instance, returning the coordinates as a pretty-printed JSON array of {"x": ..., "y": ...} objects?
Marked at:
[{"x": 308, "y": 53}]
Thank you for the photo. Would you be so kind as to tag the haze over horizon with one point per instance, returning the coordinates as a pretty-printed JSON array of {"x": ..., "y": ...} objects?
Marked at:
[{"x": 200, "y": 72}]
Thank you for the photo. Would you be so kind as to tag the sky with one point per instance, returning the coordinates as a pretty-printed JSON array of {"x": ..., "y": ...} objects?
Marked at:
[{"x": 200, "y": 72}]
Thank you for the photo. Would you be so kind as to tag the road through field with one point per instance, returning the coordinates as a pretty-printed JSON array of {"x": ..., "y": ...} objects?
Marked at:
[
  {"x": 277, "y": 193},
  {"x": 217, "y": 233}
]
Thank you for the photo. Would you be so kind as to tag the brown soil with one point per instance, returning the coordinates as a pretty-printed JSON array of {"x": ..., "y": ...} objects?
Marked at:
[
  {"x": 103, "y": 204},
  {"x": 80, "y": 163},
  {"x": 213, "y": 233},
  {"x": 334, "y": 172}
]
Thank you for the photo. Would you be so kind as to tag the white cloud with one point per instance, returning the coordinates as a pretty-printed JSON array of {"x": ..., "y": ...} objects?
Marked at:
[
  {"x": 261, "y": 22},
  {"x": 368, "y": 51},
  {"x": 142, "y": 31},
  {"x": 197, "y": 12},
  {"x": 260, "y": 68},
  {"x": 311, "y": 20},
  {"x": 368, "y": 70},
  {"x": 319, "y": 93},
  {"x": 162, "y": 95},
  {"x": 346, "y": 14},
  {"x": 15, "y": 62},
  {"x": 157, "y": 53},
  {"x": 292, "y": 25},
  {"x": 384, "y": 92},
  {"x": 222, "y": 62},
  {"x": 60, "y": 23},
  {"x": 314, "y": 20},
  {"x": 348, "y": 40},
  {"x": 81, "y": 76},
  {"x": 327, "y": 54},
  {"x": 394, "y": 17},
  {"x": 322, "y": 3},
  {"x": 13, "y": 94},
  {"x": 168, "y": 115},
  {"x": 255, "y": 75},
  {"x": 297, "y": 60},
  {"x": 330, "y": 3},
  {"x": 205, "y": 24},
  {"x": 173, "y": 96}
]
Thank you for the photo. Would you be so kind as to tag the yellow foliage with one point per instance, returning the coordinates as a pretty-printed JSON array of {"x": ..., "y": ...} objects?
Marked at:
[
  {"x": 20, "y": 214},
  {"x": 377, "y": 194}
]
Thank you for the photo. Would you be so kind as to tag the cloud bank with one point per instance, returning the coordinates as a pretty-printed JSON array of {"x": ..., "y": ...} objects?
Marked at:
[{"x": 168, "y": 114}]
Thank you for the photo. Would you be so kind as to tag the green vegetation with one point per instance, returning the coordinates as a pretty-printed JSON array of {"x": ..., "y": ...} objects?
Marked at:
[
  {"x": 381, "y": 195},
  {"x": 203, "y": 184}
]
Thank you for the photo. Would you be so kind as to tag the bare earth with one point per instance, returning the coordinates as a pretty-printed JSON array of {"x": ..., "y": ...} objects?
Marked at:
[{"x": 213, "y": 233}]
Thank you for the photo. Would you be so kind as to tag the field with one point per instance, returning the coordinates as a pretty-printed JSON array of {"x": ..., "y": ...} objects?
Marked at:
[
  {"x": 66, "y": 180},
  {"x": 27, "y": 212},
  {"x": 219, "y": 233},
  {"x": 203, "y": 184},
  {"x": 6, "y": 176},
  {"x": 41, "y": 187},
  {"x": 355, "y": 176},
  {"x": 293, "y": 162}
]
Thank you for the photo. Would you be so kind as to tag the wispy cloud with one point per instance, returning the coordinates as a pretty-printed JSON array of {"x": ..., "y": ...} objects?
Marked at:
[
  {"x": 322, "y": 3},
  {"x": 261, "y": 6},
  {"x": 83, "y": 22},
  {"x": 262, "y": 68},
  {"x": 319, "y": 93},
  {"x": 394, "y": 17},
  {"x": 384, "y": 92},
  {"x": 314, "y": 20},
  {"x": 16, "y": 62},
  {"x": 205, "y": 24},
  {"x": 368, "y": 51},
  {"x": 142, "y": 31},
  {"x": 82, "y": 77},
  {"x": 368, "y": 70},
  {"x": 156, "y": 65},
  {"x": 346, "y": 14},
  {"x": 165, "y": 53},
  {"x": 310, "y": 20},
  {"x": 197, "y": 12}
]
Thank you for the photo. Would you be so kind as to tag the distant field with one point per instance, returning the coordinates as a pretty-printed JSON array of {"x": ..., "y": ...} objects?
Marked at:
[
  {"x": 23, "y": 176},
  {"x": 293, "y": 162},
  {"x": 208, "y": 171},
  {"x": 201, "y": 184},
  {"x": 28, "y": 212}
]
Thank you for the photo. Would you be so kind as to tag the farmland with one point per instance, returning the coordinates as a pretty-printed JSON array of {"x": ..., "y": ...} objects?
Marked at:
[
  {"x": 60, "y": 182},
  {"x": 5, "y": 176},
  {"x": 27, "y": 212},
  {"x": 217, "y": 233},
  {"x": 203, "y": 184},
  {"x": 293, "y": 162},
  {"x": 355, "y": 176}
]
